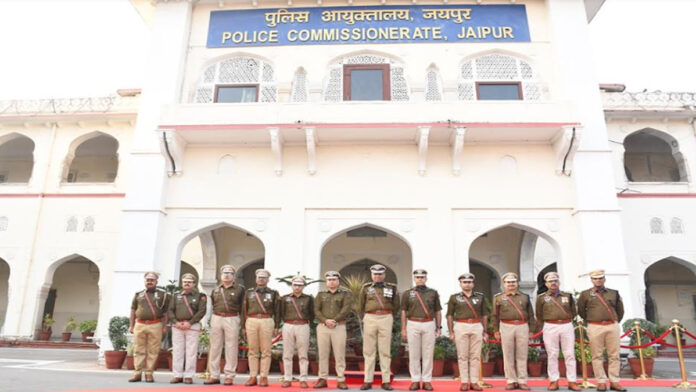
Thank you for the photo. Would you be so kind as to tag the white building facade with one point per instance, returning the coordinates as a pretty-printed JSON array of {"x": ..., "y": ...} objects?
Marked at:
[{"x": 485, "y": 154}]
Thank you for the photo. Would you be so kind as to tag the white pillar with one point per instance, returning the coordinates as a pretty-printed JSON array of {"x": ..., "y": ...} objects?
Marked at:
[
  {"x": 597, "y": 212},
  {"x": 143, "y": 212}
]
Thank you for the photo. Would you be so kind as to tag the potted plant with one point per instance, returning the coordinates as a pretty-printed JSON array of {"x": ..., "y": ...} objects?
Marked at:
[
  {"x": 242, "y": 356},
  {"x": 46, "y": 327},
  {"x": 130, "y": 361},
  {"x": 118, "y": 327},
  {"x": 438, "y": 361},
  {"x": 487, "y": 367},
  {"x": 497, "y": 354},
  {"x": 649, "y": 354},
  {"x": 87, "y": 329},
  {"x": 588, "y": 360},
  {"x": 68, "y": 329},
  {"x": 203, "y": 349},
  {"x": 533, "y": 364}
]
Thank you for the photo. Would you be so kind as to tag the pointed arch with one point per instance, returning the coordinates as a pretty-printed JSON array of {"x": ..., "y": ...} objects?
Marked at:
[
  {"x": 652, "y": 155},
  {"x": 498, "y": 67},
  {"x": 92, "y": 157},
  {"x": 239, "y": 73}
]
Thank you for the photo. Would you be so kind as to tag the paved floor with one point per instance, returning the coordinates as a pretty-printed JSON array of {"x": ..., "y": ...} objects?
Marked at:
[{"x": 54, "y": 370}]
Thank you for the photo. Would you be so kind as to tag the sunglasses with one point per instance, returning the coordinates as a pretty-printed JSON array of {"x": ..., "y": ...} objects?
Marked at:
[
  {"x": 187, "y": 282},
  {"x": 510, "y": 281},
  {"x": 552, "y": 281}
]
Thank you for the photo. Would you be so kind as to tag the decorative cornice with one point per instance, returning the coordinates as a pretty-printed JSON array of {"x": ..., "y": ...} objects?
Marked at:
[
  {"x": 63, "y": 106},
  {"x": 649, "y": 101}
]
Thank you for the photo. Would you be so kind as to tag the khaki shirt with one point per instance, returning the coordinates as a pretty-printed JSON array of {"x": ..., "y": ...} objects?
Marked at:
[
  {"x": 270, "y": 300},
  {"x": 305, "y": 303},
  {"x": 387, "y": 293},
  {"x": 333, "y": 306},
  {"x": 159, "y": 299},
  {"x": 411, "y": 305},
  {"x": 590, "y": 308},
  {"x": 547, "y": 309},
  {"x": 458, "y": 309},
  {"x": 504, "y": 310},
  {"x": 178, "y": 311},
  {"x": 234, "y": 295}
]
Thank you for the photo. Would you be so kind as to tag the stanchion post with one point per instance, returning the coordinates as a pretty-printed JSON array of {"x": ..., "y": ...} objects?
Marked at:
[
  {"x": 643, "y": 375},
  {"x": 684, "y": 384},
  {"x": 481, "y": 383},
  {"x": 585, "y": 384}
]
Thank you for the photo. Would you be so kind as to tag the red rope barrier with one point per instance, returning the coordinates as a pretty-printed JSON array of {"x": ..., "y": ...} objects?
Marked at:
[
  {"x": 654, "y": 341},
  {"x": 630, "y": 331},
  {"x": 687, "y": 333}
]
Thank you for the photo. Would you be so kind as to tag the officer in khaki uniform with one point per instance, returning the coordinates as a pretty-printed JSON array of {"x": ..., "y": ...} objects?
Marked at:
[
  {"x": 225, "y": 323},
  {"x": 602, "y": 308},
  {"x": 555, "y": 312},
  {"x": 332, "y": 308},
  {"x": 186, "y": 309},
  {"x": 297, "y": 313},
  {"x": 421, "y": 324},
  {"x": 261, "y": 308},
  {"x": 148, "y": 321},
  {"x": 466, "y": 322},
  {"x": 513, "y": 323},
  {"x": 378, "y": 305}
]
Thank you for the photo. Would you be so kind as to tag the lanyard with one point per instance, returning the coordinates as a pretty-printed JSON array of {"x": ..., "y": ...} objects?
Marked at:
[
  {"x": 187, "y": 305},
  {"x": 149, "y": 303},
  {"x": 514, "y": 305},
  {"x": 297, "y": 309},
  {"x": 606, "y": 305},
  {"x": 222, "y": 294},
  {"x": 258, "y": 300},
  {"x": 555, "y": 302},
  {"x": 422, "y": 303},
  {"x": 470, "y": 306}
]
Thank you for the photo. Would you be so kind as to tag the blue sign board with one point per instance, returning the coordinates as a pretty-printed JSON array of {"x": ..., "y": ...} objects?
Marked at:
[{"x": 361, "y": 25}]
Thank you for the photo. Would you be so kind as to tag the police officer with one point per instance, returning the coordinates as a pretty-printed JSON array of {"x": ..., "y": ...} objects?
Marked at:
[
  {"x": 555, "y": 312},
  {"x": 513, "y": 321},
  {"x": 421, "y": 324},
  {"x": 466, "y": 322},
  {"x": 225, "y": 323},
  {"x": 332, "y": 308},
  {"x": 378, "y": 305},
  {"x": 602, "y": 308},
  {"x": 148, "y": 321},
  {"x": 186, "y": 308},
  {"x": 297, "y": 312},
  {"x": 262, "y": 318}
]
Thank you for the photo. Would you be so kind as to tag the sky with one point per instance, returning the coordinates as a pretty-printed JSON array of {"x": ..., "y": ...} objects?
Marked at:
[{"x": 78, "y": 48}]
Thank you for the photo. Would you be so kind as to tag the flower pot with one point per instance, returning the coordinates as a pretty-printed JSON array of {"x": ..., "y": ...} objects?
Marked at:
[
  {"x": 534, "y": 369},
  {"x": 242, "y": 365},
  {"x": 114, "y": 359},
  {"x": 130, "y": 362},
  {"x": 45, "y": 335},
  {"x": 201, "y": 363},
  {"x": 361, "y": 366},
  {"x": 455, "y": 368},
  {"x": 499, "y": 366},
  {"x": 65, "y": 336},
  {"x": 447, "y": 370},
  {"x": 170, "y": 362},
  {"x": 395, "y": 366},
  {"x": 438, "y": 367},
  {"x": 86, "y": 336},
  {"x": 314, "y": 367},
  {"x": 561, "y": 367},
  {"x": 635, "y": 366},
  {"x": 358, "y": 350},
  {"x": 487, "y": 369},
  {"x": 163, "y": 359}
]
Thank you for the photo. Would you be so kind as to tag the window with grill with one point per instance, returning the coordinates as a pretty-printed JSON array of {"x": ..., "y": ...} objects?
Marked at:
[
  {"x": 498, "y": 91},
  {"x": 498, "y": 77},
  {"x": 366, "y": 82},
  {"x": 236, "y": 80},
  {"x": 236, "y": 94}
]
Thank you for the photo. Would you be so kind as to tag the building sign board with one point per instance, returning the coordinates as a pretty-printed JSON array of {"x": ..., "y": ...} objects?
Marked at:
[{"x": 374, "y": 24}]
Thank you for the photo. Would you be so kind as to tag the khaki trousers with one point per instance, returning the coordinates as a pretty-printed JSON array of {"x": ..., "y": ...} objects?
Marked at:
[
  {"x": 377, "y": 330},
  {"x": 259, "y": 334},
  {"x": 421, "y": 344},
  {"x": 185, "y": 350},
  {"x": 468, "y": 338},
  {"x": 560, "y": 336},
  {"x": 224, "y": 330},
  {"x": 146, "y": 339},
  {"x": 605, "y": 337},
  {"x": 514, "y": 341},
  {"x": 295, "y": 336},
  {"x": 327, "y": 339}
]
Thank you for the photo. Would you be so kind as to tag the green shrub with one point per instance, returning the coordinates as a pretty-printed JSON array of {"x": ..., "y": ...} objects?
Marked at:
[
  {"x": 70, "y": 325},
  {"x": 118, "y": 327},
  {"x": 87, "y": 326},
  {"x": 439, "y": 353},
  {"x": 47, "y": 323},
  {"x": 533, "y": 354}
]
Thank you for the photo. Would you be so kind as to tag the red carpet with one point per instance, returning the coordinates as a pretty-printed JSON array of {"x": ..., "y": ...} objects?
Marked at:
[{"x": 439, "y": 385}]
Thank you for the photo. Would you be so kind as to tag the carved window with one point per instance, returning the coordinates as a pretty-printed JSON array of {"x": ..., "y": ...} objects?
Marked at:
[
  {"x": 16, "y": 159},
  {"x": 71, "y": 225},
  {"x": 497, "y": 76},
  {"x": 433, "y": 87},
  {"x": 237, "y": 80},
  {"x": 3, "y": 223},
  {"x": 299, "y": 87},
  {"x": 653, "y": 156},
  {"x": 95, "y": 160},
  {"x": 393, "y": 80},
  {"x": 676, "y": 226},
  {"x": 88, "y": 225},
  {"x": 656, "y": 226}
]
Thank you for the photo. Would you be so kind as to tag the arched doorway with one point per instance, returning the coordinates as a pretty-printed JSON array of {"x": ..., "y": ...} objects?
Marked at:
[
  {"x": 356, "y": 247},
  {"x": 73, "y": 293},
  {"x": 93, "y": 159},
  {"x": 209, "y": 249},
  {"x": 487, "y": 279},
  {"x": 653, "y": 156},
  {"x": 514, "y": 248},
  {"x": 16, "y": 159},
  {"x": 671, "y": 283},
  {"x": 4, "y": 290}
]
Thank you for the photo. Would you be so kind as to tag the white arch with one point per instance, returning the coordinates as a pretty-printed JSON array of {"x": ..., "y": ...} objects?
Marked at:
[
  {"x": 364, "y": 224},
  {"x": 77, "y": 142},
  {"x": 227, "y": 56},
  {"x": 365, "y": 52},
  {"x": 502, "y": 52}
]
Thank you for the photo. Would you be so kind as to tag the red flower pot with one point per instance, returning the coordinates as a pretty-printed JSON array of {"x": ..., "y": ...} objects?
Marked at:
[
  {"x": 130, "y": 362},
  {"x": 534, "y": 369},
  {"x": 438, "y": 367},
  {"x": 65, "y": 336},
  {"x": 487, "y": 369},
  {"x": 114, "y": 359},
  {"x": 86, "y": 335}
]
